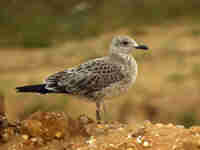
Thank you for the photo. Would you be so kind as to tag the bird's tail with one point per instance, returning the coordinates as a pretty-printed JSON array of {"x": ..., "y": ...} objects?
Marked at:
[{"x": 39, "y": 88}]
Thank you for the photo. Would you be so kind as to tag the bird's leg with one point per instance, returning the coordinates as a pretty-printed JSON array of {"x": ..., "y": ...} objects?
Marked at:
[
  {"x": 104, "y": 111},
  {"x": 98, "y": 111}
]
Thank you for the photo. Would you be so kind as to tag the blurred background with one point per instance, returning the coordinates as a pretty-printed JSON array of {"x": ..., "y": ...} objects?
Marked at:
[{"x": 40, "y": 37}]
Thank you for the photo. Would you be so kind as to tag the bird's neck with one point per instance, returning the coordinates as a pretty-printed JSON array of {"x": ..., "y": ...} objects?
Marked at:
[
  {"x": 127, "y": 61},
  {"x": 122, "y": 58}
]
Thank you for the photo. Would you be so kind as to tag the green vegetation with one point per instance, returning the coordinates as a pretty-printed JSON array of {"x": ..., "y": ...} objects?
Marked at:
[
  {"x": 176, "y": 78},
  {"x": 196, "y": 32},
  {"x": 189, "y": 118},
  {"x": 196, "y": 70},
  {"x": 40, "y": 23}
]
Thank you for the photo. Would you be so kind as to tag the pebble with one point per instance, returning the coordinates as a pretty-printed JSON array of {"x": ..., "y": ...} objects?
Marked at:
[
  {"x": 170, "y": 125},
  {"x": 58, "y": 134},
  {"x": 139, "y": 139},
  {"x": 25, "y": 136},
  {"x": 159, "y": 125},
  {"x": 91, "y": 140},
  {"x": 146, "y": 144},
  {"x": 180, "y": 126},
  {"x": 34, "y": 139}
]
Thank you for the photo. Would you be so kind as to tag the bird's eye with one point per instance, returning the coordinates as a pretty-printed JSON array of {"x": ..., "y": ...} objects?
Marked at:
[{"x": 124, "y": 43}]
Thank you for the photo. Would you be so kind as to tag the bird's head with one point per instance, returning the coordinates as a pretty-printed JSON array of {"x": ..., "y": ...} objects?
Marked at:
[{"x": 125, "y": 45}]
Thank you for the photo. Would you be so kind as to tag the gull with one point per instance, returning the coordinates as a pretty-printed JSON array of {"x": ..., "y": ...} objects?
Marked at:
[{"x": 96, "y": 80}]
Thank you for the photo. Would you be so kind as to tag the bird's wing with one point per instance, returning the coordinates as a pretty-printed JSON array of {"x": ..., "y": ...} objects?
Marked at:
[{"x": 86, "y": 78}]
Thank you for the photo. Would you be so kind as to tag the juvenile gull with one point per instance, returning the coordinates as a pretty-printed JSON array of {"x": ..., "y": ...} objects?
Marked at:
[{"x": 97, "y": 79}]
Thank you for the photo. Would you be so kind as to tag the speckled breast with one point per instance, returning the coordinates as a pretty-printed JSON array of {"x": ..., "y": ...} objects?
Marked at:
[{"x": 130, "y": 73}]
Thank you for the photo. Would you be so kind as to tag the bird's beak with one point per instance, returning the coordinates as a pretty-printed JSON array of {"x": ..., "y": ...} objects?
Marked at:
[{"x": 142, "y": 47}]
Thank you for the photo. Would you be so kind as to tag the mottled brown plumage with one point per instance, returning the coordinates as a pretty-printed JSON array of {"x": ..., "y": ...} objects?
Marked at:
[
  {"x": 86, "y": 79},
  {"x": 97, "y": 79}
]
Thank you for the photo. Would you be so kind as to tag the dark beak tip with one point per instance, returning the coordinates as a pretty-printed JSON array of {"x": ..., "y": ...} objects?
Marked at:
[{"x": 144, "y": 47}]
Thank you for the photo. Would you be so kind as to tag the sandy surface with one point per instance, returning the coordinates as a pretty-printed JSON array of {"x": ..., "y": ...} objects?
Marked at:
[{"x": 50, "y": 131}]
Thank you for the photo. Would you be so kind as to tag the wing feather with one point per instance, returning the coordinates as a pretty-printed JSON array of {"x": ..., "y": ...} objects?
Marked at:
[{"x": 86, "y": 78}]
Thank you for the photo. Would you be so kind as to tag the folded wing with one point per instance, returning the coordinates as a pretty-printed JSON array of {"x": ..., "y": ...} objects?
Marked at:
[{"x": 86, "y": 78}]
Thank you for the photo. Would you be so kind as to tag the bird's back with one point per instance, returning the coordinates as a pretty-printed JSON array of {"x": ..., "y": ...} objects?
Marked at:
[{"x": 94, "y": 79}]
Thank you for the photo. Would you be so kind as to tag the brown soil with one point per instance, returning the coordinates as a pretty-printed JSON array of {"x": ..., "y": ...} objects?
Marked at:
[{"x": 57, "y": 131}]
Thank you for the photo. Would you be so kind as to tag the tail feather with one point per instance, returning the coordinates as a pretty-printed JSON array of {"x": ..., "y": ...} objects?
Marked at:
[{"x": 39, "y": 88}]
